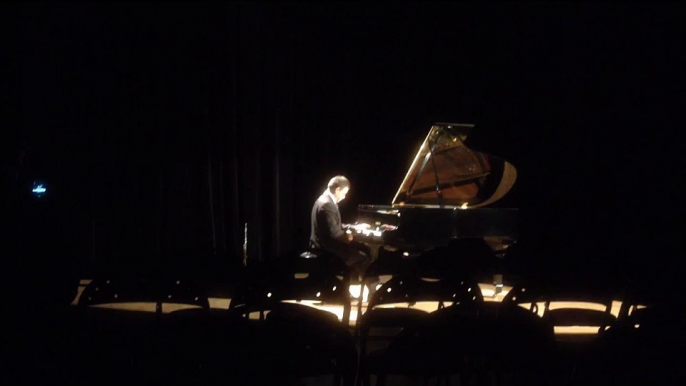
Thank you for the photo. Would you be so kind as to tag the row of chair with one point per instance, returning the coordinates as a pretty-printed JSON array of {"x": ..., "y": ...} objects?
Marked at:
[{"x": 272, "y": 326}]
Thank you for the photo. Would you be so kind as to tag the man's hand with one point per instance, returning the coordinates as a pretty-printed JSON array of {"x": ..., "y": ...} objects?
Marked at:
[{"x": 360, "y": 227}]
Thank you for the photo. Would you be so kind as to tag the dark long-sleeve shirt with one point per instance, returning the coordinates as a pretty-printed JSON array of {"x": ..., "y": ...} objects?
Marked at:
[{"x": 326, "y": 229}]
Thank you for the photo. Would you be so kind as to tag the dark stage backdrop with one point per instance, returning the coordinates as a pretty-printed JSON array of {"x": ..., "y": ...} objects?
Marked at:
[{"x": 169, "y": 126}]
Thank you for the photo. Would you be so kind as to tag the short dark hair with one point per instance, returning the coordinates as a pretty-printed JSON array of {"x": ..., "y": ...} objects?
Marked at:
[{"x": 338, "y": 182}]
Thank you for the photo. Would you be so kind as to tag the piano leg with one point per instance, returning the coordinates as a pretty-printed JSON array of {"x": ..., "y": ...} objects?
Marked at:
[
  {"x": 498, "y": 283},
  {"x": 498, "y": 275}
]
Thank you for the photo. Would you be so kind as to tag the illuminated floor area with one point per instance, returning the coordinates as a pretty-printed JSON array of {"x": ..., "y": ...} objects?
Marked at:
[{"x": 488, "y": 292}]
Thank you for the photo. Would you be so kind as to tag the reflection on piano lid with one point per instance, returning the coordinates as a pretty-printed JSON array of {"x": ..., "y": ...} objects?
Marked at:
[{"x": 444, "y": 196}]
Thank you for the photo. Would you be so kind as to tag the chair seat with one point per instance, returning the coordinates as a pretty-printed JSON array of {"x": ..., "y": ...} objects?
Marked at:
[
  {"x": 390, "y": 317},
  {"x": 289, "y": 312}
]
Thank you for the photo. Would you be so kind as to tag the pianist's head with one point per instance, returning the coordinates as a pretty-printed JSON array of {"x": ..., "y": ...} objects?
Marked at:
[{"x": 339, "y": 187}]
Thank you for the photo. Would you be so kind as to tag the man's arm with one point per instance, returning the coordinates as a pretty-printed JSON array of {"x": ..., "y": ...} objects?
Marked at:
[{"x": 332, "y": 222}]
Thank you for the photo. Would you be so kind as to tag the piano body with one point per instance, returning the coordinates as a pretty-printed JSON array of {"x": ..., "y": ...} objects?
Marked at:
[{"x": 444, "y": 196}]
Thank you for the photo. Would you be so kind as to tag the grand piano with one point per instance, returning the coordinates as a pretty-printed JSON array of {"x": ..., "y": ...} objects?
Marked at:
[{"x": 445, "y": 195}]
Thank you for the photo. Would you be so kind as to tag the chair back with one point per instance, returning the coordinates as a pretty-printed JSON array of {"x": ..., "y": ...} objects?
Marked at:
[
  {"x": 411, "y": 290},
  {"x": 117, "y": 290},
  {"x": 180, "y": 291}
]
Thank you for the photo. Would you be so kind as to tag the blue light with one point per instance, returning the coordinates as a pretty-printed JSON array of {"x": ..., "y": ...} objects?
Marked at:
[{"x": 39, "y": 189}]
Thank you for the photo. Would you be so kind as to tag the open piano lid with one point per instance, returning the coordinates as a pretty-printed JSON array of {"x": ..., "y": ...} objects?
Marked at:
[{"x": 446, "y": 173}]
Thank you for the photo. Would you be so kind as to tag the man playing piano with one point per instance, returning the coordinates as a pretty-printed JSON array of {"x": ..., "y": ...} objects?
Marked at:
[{"x": 328, "y": 233}]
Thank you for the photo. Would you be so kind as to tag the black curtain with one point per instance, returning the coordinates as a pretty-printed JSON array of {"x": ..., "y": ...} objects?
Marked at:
[
  {"x": 177, "y": 127},
  {"x": 170, "y": 126}
]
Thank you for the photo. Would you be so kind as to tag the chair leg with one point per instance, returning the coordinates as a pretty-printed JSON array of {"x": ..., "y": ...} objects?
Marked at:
[
  {"x": 360, "y": 298},
  {"x": 359, "y": 310}
]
